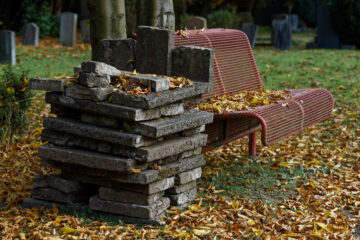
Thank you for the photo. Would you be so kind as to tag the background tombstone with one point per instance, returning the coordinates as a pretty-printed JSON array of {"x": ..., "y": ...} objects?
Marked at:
[
  {"x": 31, "y": 34},
  {"x": 85, "y": 30},
  {"x": 326, "y": 36},
  {"x": 196, "y": 23},
  {"x": 294, "y": 22},
  {"x": 251, "y": 30},
  {"x": 68, "y": 24},
  {"x": 7, "y": 47},
  {"x": 281, "y": 34}
]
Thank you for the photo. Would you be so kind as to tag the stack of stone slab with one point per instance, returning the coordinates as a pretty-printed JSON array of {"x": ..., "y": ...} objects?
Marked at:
[{"x": 141, "y": 153}]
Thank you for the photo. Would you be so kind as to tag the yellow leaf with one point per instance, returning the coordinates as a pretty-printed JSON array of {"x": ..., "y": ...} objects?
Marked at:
[
  {"x": 10, "y": 90},
  {"x": 22, "y": 236},
  {"x": 194, "y": 207},
  {"x": 26, "y": 80},
  {"x": 323, "y": 226},
  {"x": 133, "y": 72},
  {"x": 135, "y": 170},
  {"x": 256, "y": 231},
  {"x": 182, "y": 235},
  {"x": 69, "y": 83},
  {"x": 201, "y": 232},
  {"x": 57, "y": 221},
  {"x": 296, "y": 235},
  {"x": 250, "y": 222},
  {"x": 67, "y": 230},
  {"x": 357, "y": 203}
]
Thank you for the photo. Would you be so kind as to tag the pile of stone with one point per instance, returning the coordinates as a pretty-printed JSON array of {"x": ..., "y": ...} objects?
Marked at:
[{"x": 122, "y": 153}]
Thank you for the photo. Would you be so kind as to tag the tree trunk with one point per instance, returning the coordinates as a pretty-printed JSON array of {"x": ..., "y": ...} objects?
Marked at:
[
  {"x": 107, "y": 21},
  {"x": 158, "y": 13}
]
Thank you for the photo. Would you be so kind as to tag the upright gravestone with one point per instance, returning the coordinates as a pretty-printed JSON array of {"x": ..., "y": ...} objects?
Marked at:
[
  {"x": 31, "y": 34},
  {"x": 85, "y": 30},
  {"x": 7, "y": 47},
  {"x": 294, "y": 22},
  {"x": 281, "y": 33},
  {"x": 196, "y": 23},
  {"x": 68, "y": 23},
  {"x": 251, "y": 30},
  {"x": 326, "y": 36}
]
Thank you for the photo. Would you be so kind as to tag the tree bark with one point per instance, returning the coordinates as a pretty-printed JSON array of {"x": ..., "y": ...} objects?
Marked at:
[
  {"x": 107, "y": 21},
  {"x": 158, "y": 13}
]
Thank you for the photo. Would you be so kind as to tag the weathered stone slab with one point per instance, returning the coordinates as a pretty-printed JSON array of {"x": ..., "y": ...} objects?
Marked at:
[
  {"x": 65, "y": 112},
  {"x": 153, "y": 100},
  {"x": 86, "y": 158},
  {"x": 169, "y": 125},
  {"x": 68, "y": 25},
  {"x": 157, "y": 84},
  {"x": 183, "y": 197},
  {"x": 93, "y": 80},
  {"x": 104, "y": 108},
  {"x": 32, "y": 202},
  {"x": 151, "y": 188},
  {"x": 119, "y": 195},
  {"x": 84, "y": 207},
  {"x": 192, "y": 101},
  {"x": 153, "y": 50},
  {"x": 172, "y": 109},
  {"x": 190, "y": 153},
  {"x": 169, "y": 147},
  {"x": 282, "y": 34},
  {"x": 326, "y": 36},
  {"x": 54, "y": 195},
  {"x": 251, "y": 30},
  {"x": 177, "y": 189},
  {"x": 77, "y": 69},
  {"x": 94, "y": 132},
  {"x": 50, "y": 85},
  {"x": 106, "y": 121},
  {"x": 7, "y": 47},
  {"x": 85, "y": 30},
  {"x": 196, "y": 22},
  {"x": 93, "y": 94},
  {"x": 188, "y": 176},
  {"x": 195, "y": 63},
  {"x": 111, "y": 178},
  {"x": 119, "y": 53},
  {"x": 99, "y": 68},
  {"x": 59, "y": 183},
  {"x": 30, "y": 34},
  {"x": 193, "y": 131},
  {"x": 132, "y": 210}
]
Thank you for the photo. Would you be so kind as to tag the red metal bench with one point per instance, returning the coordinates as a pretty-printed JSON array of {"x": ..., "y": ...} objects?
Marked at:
[{"x": 235, "y": 71}]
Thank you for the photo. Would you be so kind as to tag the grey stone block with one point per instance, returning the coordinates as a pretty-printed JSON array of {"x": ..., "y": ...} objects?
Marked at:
[
  {"x": 172, "y": 109},
  {"x": 282, "y": 34},
  {"x": 50, "y": 85},
  {"x": 93, "y": 80},
  {"x": 196, "y": 22},
  {"x": 95, "y": 132},
  {"x": 170, "y": 147},
  {"x": 7, "y": 47},
  {"x": 187, "y": 164},
  {"x": 54, "y": 195},
  {"x": 157, "y": 83},
  {"x": 119, "y": 53},
  {"x": 84, "y": 207},
  {"x": 119, "y": 195},
  {"x": 192, "y": 101},
  {"x": 64, "y": 112},
  {"x": 188, "y": 176},
  {"x": 177, "y": 189},
  {"x": 93, "y": 94},
  {"x": 99, "y": 68},
  {"x": 153, "y": 100},
  {"x": 251, "y": 30},
  {"x": 184, "y": 197},
  {"x": 106, "y": 121},
  {"x": 132, "y": 210},
  {"x": 86, "y": 158},
  {"x": 190, "y": 153},
  {"x": 40, "y": 181},
  {"x": 193, "y": 131},
  {"x": 153, "y": 50},
  {"x": 65, "y": 185},
  {"x": 85, "y": 30},
  {"x": 151, "y": 188},
  {"x": 32, "y": 202},
  {"x": 30, "y": 34},
  {"x": 169, "y": 125},
  {"x": 68, "y": 25},
  {"x": 195, "y": 63},
  {"x": 77, "y": 69},
  {"x": 103, "y": 108}
]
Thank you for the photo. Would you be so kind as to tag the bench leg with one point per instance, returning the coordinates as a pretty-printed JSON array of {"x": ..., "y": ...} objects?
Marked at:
[{"x": 252, "y": 144}]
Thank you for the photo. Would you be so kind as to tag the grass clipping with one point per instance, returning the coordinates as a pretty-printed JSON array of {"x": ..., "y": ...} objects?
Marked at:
[{"x": 243, "y": 101}]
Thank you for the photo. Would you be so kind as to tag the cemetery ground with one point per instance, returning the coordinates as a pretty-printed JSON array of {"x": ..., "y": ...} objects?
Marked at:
[{"x": 305, "y": 186}]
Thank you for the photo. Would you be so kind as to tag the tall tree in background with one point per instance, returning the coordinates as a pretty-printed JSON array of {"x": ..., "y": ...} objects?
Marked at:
[
  {"x": 107, "y": 21},
  {"x": 159, "y": 13}
]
